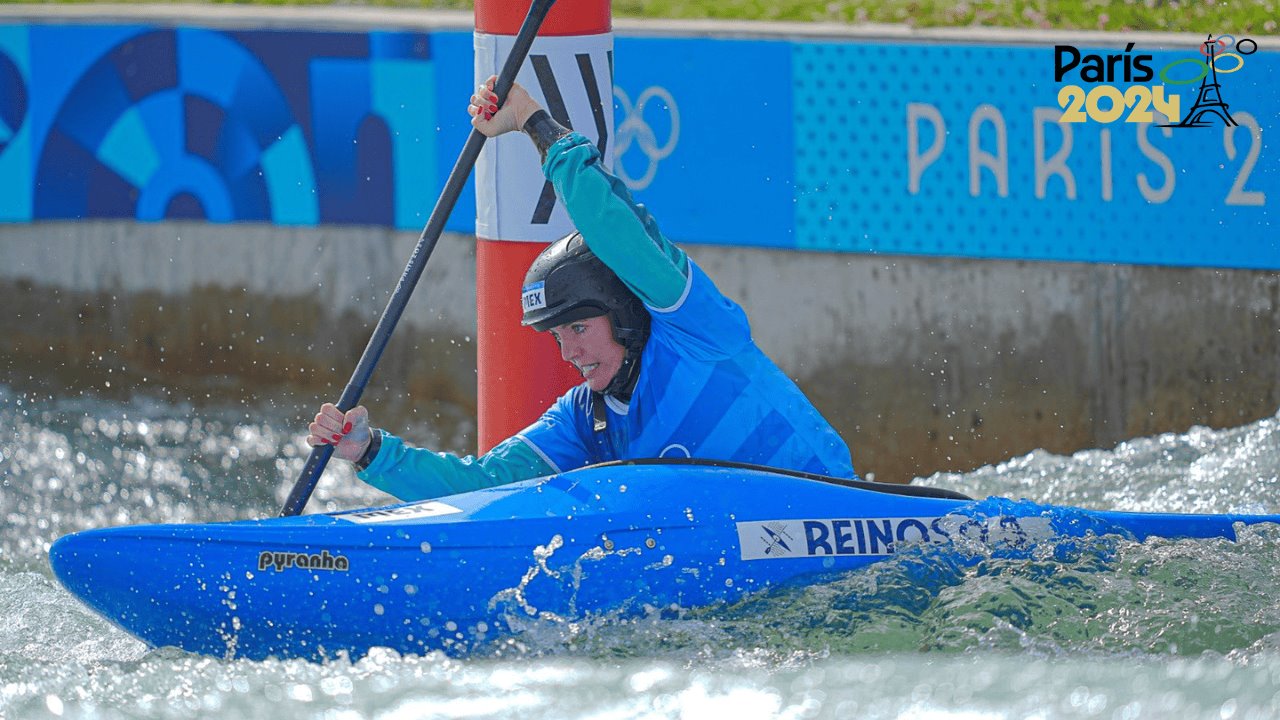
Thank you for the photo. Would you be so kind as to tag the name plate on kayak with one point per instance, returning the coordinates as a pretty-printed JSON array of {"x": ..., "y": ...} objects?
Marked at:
[
  {"x": 869, "y": 537},
  {"x": 400, "y": 513}
]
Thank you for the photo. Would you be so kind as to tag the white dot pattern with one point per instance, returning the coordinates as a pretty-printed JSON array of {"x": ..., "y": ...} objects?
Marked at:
[{"x": 852, "y": 188}]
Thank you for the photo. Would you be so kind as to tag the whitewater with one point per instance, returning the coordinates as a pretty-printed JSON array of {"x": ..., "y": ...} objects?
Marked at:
[{"x": 1101, "y": 628}]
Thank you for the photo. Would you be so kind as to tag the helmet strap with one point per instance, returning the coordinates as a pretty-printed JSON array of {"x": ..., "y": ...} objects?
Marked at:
[
  {"x": 599, "y": 416},
  {"x": 624, "y": 382},
  {"x": 620, "y": 387},
  {"x": 632, "y": 341}
]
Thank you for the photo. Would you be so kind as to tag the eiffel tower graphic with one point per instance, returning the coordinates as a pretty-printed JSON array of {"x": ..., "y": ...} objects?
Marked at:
[{"x": 1209, "y": 101}]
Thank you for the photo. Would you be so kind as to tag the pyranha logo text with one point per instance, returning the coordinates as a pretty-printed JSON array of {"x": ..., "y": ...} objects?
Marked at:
[{"x": 1106, "y": 103}]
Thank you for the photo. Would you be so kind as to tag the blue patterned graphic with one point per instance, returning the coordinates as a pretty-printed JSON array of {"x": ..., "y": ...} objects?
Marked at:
[
  {"x": 291, "y": 128},
  {"x": 153, "y": 130},
  {"x": 15, "y": 135},
  {"x": 13, "y": 100}
]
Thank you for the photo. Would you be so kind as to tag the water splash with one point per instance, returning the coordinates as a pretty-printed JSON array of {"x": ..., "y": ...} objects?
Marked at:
[
  {"x": 1093, "y": 626},
  {"x": 1077, "y": 595},
  {"x": 1235, "y": 470}
]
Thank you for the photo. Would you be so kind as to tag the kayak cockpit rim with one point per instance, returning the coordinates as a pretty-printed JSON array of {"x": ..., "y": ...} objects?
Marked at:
[{"x": 887, "y": 488}]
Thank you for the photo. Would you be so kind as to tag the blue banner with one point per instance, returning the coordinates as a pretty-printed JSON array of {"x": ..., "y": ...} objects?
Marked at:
[
  {"x": 847, "y": 146},
  {"x": 291, "y": 128},
  {"x": 946, "y": 150}
]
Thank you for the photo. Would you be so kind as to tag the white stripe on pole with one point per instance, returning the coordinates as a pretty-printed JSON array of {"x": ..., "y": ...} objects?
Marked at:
[{"x": 508, "y": 167}]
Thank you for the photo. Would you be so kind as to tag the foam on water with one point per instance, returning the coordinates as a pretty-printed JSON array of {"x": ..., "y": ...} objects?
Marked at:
[
  {"x": 1097, "y": 626},
  {"x": 1200, "y": 471}
]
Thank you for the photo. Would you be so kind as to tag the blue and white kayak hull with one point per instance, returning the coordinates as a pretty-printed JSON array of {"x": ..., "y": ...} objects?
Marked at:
[{"x": 453, "y": 573}]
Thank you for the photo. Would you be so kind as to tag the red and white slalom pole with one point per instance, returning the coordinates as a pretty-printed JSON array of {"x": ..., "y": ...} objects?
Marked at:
[{"x": 570, "y": 72}]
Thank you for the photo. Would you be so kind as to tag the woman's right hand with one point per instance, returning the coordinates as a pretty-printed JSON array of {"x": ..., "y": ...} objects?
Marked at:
[{"x": 349, "y": 433}]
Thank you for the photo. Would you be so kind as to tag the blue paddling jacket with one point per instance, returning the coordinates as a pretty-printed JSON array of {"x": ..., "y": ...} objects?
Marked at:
[{"x": 705, "y": 390}]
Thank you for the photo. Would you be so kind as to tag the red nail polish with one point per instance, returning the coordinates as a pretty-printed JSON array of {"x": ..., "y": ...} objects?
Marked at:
[
  {"x": 337, "y": 437},
  {"x": 346, "y": 428},
  {"x": 493, "y": 108},
  {"x": 488, "y": 116}
]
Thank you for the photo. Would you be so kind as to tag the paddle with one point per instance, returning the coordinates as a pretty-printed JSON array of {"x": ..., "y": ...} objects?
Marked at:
[{"x": 310, "y": 475}]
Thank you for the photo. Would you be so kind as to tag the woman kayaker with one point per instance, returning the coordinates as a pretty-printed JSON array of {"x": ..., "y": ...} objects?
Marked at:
[{"x": 669, "y": 365}]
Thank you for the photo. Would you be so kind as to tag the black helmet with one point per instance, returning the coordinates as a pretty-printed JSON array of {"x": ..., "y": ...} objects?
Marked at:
[{"x": 567, "y": 282}]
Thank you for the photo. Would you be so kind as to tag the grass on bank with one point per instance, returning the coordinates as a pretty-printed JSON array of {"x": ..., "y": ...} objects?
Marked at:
[
  {"x": 1235, "y": 17},
  {"x": 1199, "y": 16}
]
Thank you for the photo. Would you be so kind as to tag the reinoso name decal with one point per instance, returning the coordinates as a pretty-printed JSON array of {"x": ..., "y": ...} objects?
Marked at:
[
  {"x": 323, "y": 560},
  {"x": 872, "y": 537}
]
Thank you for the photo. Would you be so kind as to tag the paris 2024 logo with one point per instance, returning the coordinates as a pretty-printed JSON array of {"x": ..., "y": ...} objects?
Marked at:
[{"x": 1103, "y": 102}]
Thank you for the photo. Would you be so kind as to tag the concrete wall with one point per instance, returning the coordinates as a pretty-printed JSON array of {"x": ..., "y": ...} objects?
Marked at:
[
  {"x": 258, "y": 309},
  {"x": 923, "y": 364},
  {"x": 926, "y": 364}
]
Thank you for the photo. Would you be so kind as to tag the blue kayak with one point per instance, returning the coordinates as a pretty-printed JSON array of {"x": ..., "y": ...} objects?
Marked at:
[{"x": 468, "y": 569}]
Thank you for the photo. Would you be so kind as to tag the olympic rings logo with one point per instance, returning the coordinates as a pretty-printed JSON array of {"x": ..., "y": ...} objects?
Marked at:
[
  {"x": 635, "y": 129},
  {"x": 1211, "y": 58}
]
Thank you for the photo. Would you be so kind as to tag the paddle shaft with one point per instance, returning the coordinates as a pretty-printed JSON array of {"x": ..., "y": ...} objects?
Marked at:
[{"x": 319, "y": 458}]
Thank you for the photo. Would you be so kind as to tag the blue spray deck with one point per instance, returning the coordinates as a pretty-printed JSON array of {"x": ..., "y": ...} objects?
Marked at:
[{"x": 613, "y": 538}]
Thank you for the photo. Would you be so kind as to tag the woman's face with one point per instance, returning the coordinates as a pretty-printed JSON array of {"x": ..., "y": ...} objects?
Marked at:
[{"x": 589, "y": 345}]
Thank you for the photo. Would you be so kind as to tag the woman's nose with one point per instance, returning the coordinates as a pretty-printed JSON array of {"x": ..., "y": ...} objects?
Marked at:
[{"x": 568, "y": 350}]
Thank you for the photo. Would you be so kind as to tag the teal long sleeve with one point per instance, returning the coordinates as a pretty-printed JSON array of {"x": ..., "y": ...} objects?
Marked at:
[
  {"x": 411, "y": 473},
  {"x": 620, "y": 231}
]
